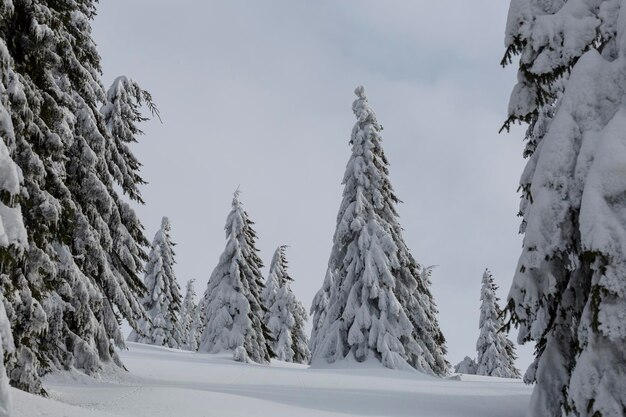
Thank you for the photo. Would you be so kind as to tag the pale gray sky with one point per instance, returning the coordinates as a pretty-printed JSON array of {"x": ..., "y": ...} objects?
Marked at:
[{"x": 259, "y": 94}]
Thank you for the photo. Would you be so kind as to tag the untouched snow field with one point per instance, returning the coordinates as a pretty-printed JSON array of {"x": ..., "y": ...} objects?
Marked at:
[{"x": 166, "y": 382}]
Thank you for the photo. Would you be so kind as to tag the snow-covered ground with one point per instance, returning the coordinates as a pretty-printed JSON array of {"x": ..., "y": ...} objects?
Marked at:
[{"x": 167, "y": 382}]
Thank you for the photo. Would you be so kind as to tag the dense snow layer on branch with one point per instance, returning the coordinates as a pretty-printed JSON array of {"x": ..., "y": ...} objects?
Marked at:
[{"x": 496, "y": 353}]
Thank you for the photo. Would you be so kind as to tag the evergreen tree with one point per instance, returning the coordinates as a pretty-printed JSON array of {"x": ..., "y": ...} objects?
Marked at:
[
  {"x": 496, "y": 353},
  {"x": 285, "y": 317},
  {"x": 79, "y": 273},
  {"x": 569, "y": 293},
  {"x": 467, "y": 366},
  {"x": 163, "y": 301},
  {"x": 379, "y": 303},
  {"x": 190, "y": 319},
  {"x": 232, "y": 308}
]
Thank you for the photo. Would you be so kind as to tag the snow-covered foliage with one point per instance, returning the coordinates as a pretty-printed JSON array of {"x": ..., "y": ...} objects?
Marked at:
[
  {"x": 569, "y": 291},
  {"x": 231, "y": 307},
  {"x": 163, "y": 300},
  {"x": 467, "y": 366},
  {"x": 122, "y": 113},
  {"x": 6, "y": 345},
  {"x": 12, "y": 231},
  {"x": 375, "y": 301},
  {"x": 285, "y": 317},
  {"x": 190, "y": 319},
  {"x": 496, "y": 353},
  {"x": 78, "y": 275}
]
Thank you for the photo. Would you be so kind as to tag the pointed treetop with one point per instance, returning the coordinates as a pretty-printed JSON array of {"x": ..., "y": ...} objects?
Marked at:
[
  {"x": 236, "y": 194},
  {"x": 486, "y": 274},
  {"x": 360, "y": 92},
  {"x": 165, "y": 223},
  {"x": 279, "y": 265}
]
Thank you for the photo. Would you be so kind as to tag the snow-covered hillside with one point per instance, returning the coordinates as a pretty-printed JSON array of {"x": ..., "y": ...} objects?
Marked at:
[{"x": 167, "y": 382}]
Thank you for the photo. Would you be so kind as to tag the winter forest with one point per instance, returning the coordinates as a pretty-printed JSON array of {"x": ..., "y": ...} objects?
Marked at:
[{"x": 310, "y": 209}]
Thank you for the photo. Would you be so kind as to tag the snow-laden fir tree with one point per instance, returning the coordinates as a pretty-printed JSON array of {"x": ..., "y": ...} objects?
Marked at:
[
  {"x": 569, "y": 290},
  {"x": 79, "y": 275},
  {"x": 285, "y": 317},
  {"x": 190, "y": 319},
  {"x": 467, "y": 366},
  {"x": 6, "y": 345},
  {"x": 496, "y": 353},
  {"x": 375, "y": 302},
  {"x": 232, "y": 308},
  {"x": 163, "y": 300}
]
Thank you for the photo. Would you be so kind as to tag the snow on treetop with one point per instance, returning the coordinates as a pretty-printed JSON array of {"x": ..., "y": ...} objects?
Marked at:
[
  {"x": 360, "y": 92},
  {"x": 236, "y": 194}
]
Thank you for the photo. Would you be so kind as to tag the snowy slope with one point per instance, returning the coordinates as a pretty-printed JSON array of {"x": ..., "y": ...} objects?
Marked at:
[{"x": 167, "y": 382}]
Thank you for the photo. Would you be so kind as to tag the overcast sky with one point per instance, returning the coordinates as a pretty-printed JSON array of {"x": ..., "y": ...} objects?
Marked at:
[{"x": 258, "y": 94}]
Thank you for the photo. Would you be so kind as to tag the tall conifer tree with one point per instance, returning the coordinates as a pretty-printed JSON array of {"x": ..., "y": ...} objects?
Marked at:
[
  {"x": 232, "y": 307},
  {"x": 190, "y": 319},
  {"x": 569, "y": 290},
  {"x": 163, "y": 300},
  {"x": 285, "y": 317},
  {"x": 379, "y": 303},
  {"x": 496, "y": 353},
  {"x": 79, "y": 273}
]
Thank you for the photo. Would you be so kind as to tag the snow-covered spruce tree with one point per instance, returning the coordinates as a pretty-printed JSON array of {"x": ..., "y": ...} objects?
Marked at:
[
  {"x": 569, "y": 291},
  {"x": 285, "y": 317},
  {"x": 79, "y": 274},
  {"x": 496, "y": 353},
  {"x": 467, "y": 366},
  {"x": 190, "y": 319},
  {"x": 163, "y": 300},
  {"x": 232, "y": 308},
  {"x": 379, "y": 304}
]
